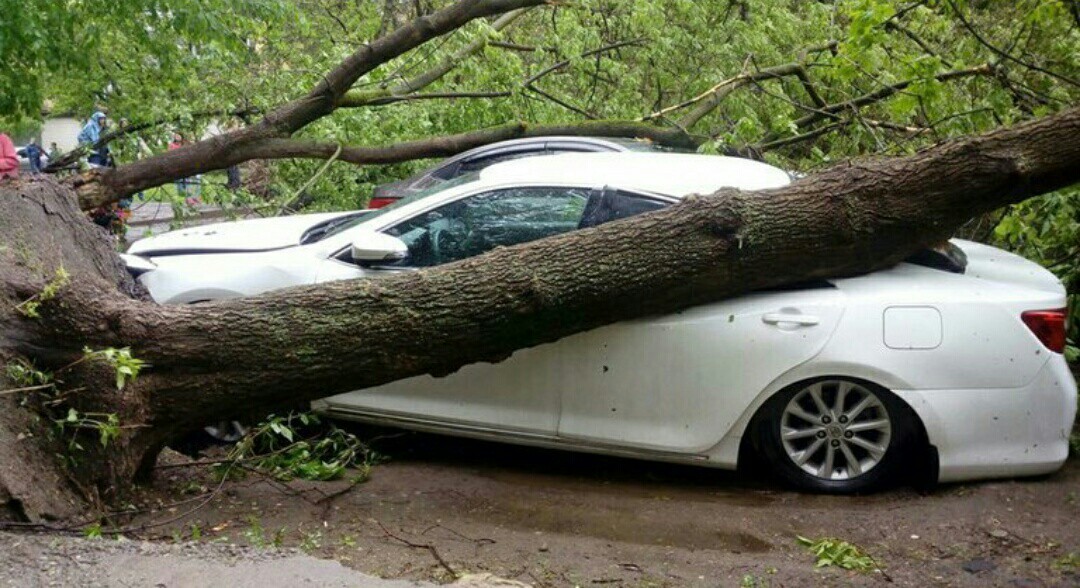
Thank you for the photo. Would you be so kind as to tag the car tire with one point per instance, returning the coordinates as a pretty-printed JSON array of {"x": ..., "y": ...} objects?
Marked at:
[
  {"x": 203, "y": 438},
  {"x": 836, "y": 435},
  {"x": 226, "y": 432}
]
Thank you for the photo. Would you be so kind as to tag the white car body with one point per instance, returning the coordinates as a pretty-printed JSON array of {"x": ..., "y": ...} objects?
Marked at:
[{"x": 993, "y": 400}]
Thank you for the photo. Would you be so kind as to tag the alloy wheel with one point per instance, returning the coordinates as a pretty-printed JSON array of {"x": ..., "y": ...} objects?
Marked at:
[{"x": 835, "y": 429}]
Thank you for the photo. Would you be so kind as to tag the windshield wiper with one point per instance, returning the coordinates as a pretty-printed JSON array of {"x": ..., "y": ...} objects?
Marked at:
[{"x": 328, "y": 227}]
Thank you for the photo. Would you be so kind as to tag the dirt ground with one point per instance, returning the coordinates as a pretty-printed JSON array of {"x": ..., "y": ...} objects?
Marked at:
[{"x": 549, "y": 518}]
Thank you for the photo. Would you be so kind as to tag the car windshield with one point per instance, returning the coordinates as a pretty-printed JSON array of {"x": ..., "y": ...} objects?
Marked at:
[{"x": 335, "y": 226}]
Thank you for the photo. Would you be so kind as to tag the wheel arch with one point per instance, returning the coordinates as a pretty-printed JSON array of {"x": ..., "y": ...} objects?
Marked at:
[{"x": 924, "y": 455}]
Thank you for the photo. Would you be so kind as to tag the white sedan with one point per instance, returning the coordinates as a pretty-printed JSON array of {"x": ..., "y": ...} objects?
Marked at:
[{"x": 948, "y": 366}]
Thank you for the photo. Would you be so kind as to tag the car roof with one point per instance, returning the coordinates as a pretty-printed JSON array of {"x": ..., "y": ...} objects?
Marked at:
[
  {"x": 599, "y": 142},
  {"x": 673, "y": 174}
]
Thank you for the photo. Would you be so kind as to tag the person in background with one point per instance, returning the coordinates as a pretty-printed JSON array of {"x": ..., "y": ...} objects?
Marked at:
[
  {"x": 233, "y": 181},
  {"x": 189, "y": 188},
  {"x": 181, "y": 184},
  {"x": 9, "y": 160},
  {"x": 232, "y": 173},
  {"x": 90, "y": 135},
  {"x": 33, "y": 154},
  {"x": 53, "y": 154}
]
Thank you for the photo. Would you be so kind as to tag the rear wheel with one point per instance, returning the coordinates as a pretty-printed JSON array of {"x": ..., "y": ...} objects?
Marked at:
[{"x": 836, "y": 435}]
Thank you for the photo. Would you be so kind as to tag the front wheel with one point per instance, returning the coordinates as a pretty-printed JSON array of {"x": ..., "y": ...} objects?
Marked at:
[{"x": 836, "y": 435}]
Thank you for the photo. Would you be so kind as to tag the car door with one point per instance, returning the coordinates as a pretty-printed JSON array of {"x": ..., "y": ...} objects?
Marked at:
[
  {"x": 520, "y": 394},
  {"x": 678, "y": 383}
]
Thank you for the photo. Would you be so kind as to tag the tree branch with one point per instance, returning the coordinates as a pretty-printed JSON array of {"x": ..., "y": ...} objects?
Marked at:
[
  {"x": 356, "y": 98},
  {"x": 557, "y": 66},
  {"x": 884, "y": 92},
  {"x": 1005, "y": 55},
  {"x": 562, "y": 103},
  {"x": 72, "y": 156},
  {"x": 710, "y": 99},
  {"x": 444, "y": 146},
  {"x": 323, "y": 98},
  {"x": 425, "y": 96},
  {"x": 512, "y": 46}
]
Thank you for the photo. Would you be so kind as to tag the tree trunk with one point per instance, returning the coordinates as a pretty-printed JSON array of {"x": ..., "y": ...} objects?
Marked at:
[{"x": 214, "y": 360}]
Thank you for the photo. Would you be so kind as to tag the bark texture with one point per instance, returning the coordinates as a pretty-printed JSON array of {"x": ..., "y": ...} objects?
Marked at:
[{"x": 219, "y": 359}]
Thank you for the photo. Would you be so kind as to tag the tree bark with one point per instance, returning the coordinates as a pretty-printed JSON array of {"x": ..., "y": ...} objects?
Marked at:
[{"x": 214, "y": 360}]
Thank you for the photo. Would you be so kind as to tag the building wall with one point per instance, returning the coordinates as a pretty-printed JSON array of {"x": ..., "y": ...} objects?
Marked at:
[{"x": 62, "y": 131}]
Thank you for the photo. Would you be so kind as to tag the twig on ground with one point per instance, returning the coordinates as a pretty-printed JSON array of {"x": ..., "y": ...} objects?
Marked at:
[{"x": 429, "y": 547}]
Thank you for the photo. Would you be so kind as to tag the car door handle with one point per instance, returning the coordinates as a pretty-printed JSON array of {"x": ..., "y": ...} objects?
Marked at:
[{"x": 775, "y": 318}]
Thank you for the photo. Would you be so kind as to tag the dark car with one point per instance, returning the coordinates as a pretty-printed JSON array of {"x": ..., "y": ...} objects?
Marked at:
[{"x": 481, "y": 157}]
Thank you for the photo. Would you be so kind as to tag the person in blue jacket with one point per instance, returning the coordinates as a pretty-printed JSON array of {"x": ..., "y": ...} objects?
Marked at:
[
  {"x": 33, "y": 154},
  {"x": 90, "y": 135}
]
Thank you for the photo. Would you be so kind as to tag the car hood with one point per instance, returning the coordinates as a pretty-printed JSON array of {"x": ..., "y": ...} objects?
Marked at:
[{"x": 244, "y": 236}]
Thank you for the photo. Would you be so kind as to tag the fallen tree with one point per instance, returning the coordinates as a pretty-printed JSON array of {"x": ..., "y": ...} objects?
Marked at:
[{"x": 63, "y": 291}]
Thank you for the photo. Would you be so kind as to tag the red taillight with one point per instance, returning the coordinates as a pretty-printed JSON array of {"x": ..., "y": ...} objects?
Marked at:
[
  {"x": 1048, "y": 326},
  {"x": 380, "y": 202}
]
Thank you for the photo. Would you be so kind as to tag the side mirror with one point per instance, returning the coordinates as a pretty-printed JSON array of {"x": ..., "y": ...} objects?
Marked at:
[{"x": 377, "y": 247}]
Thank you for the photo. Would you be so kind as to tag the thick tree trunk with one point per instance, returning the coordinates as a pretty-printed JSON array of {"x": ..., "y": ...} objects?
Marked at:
[{"x": 213, "y": 360}]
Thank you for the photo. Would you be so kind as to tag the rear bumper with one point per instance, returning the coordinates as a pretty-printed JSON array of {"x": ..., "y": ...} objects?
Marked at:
[{"x": 1006, "y": 432}]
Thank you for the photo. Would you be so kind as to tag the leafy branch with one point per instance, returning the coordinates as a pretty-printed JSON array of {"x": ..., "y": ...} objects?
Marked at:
[{"x": 30, "y": 307}]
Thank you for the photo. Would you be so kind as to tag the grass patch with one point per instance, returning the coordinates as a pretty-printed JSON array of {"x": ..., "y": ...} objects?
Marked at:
[{"x": 1068, "y": 562}]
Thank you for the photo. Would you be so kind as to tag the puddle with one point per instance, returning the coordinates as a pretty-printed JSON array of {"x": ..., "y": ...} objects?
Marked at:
[
  {"x": 708, "y": 485},
  {"x": 653, "y": 527}
]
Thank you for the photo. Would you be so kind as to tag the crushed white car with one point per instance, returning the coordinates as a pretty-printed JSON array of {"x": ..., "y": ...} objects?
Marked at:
[{"x": 944, "y": 365}]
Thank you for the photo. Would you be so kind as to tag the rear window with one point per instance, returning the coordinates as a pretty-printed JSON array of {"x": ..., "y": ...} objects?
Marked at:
[{"x": 945, "y": 257}]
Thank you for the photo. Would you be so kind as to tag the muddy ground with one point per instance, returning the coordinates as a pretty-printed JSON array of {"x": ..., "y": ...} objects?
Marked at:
[{"x": 550, "y": 518}]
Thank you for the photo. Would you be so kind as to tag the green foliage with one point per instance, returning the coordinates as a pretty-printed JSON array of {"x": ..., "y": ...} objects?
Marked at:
[
  {"x": 24, "y": 375},
  {"x": 106, "y": 425},
  {"x": 834, "y": 552},
  {"x": 134, "y": 55},
  {"x": 256, "y": 536},
  {"x": 1068, "y": 562},
  {"x": 1047, "y": 230},
  {"x": 752, "y": 581},
  {"x": 148, "y": 60},
  {"x": 311, "y": 541},
  {"x": 29, "y": 308},
  {"x": 298, "y": 445},
  {"x": 127, "y": 367},
  {"x": 92, "y": 531}
]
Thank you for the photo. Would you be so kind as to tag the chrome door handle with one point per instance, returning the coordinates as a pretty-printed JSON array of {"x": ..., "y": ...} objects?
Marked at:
[{"x": 775, "y": 318}]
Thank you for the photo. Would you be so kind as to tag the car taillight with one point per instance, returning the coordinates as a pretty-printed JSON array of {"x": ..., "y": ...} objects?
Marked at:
[
  {"x": 1048, "y": 326},
  {"x": 380, "y": 202}
]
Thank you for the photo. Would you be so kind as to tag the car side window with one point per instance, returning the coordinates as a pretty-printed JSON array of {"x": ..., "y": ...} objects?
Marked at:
[
  {"x": 611, "y": 204},
  {"x": 479, "y": 223}
]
